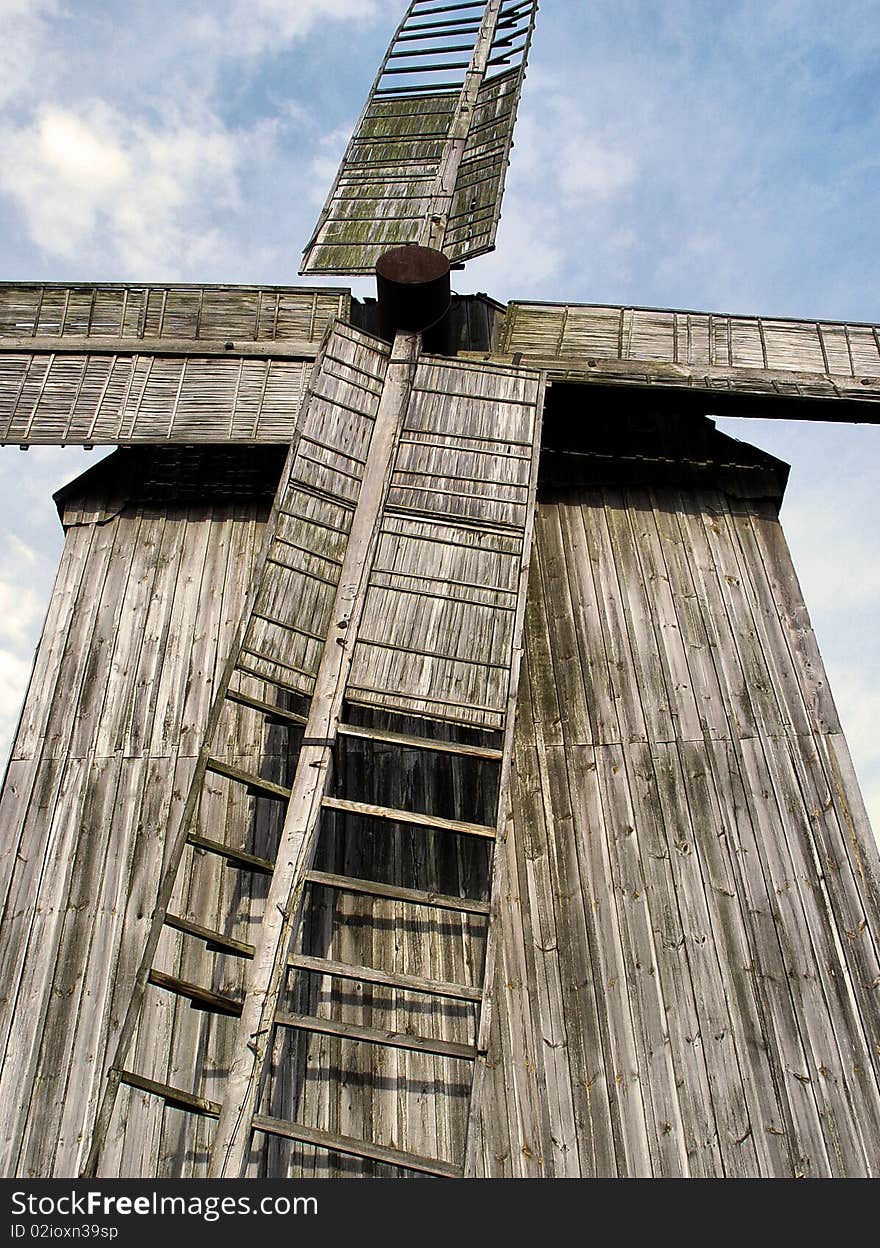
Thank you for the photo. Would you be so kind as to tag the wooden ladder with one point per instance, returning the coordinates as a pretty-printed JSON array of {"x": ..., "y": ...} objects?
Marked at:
[
  {"x": 293, "y": 672},
  {"x": 409, "y": 1036},
  {"x": 409, "y": 1032}
]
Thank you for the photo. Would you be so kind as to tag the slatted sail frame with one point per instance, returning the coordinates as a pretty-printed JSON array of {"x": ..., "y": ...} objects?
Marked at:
[
  {"x": 114, "y": 364},
  {"x": 442, "y": 598},
  {"x": 830, "y": 370},
  {"x": 392, "y": 584},
  {"x": 428, "y": 160}
]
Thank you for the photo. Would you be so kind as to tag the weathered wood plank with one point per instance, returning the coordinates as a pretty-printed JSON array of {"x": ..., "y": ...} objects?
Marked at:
[
  {"x": 390, "y": 979},
  {"x": 96, "y": 399},
  {"x": 373, "y": 1035},
  {"x": 391, "y": 892},
  {"x": 356, "y": 1148},
  {"x": 38, "y": 311},
  {"x": 428, "y": 158},
  {"x": 459, "y": 826}
]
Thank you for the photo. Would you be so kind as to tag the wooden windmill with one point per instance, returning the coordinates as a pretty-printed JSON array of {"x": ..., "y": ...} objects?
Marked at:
[{"x": 428, "y": 766}]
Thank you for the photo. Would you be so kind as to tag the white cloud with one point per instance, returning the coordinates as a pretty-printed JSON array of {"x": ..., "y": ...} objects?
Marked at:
[
  {"x": 324, "y": 166},
  {"x": 24, "y": 27},
  {"x": 594, "y": 170},
  {"x": 591, "y": 164},
  {"x": 126, "y": 191},
  {"x": 565, "y": 201},
  {"x": 20, "y": 605},
  {"x": 253, "y": 27}
]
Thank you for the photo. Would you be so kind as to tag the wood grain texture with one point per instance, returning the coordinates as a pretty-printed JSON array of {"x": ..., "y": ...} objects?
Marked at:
[
  {"x": 128, "y": 364},
  {"x": 802, "y": 366},
  {"x": 428, "y": 159},
  {"x": 136, "y": 620},
  {"x": 150, "y": 314},
  {"x": 438, "y": 624},
  {"x": 686, "y": 908},
  {"x": 690, "y": 931}
]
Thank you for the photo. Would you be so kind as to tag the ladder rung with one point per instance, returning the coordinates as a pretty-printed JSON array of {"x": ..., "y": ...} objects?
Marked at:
[
  {"x": 171, "y": 1096},
  {"x": 412, "y": 896},
  {"x": 242, "y": 666},
  {"x": 235, "y": 857},
  {"x": 216, "y": 941},
  {"x": 201, "y": 998},
  {"x": 255, "y": 784},
  {"x": 262, "y": 657},
  {"x": 273, "y": 712},
  {"x": 291, "y": 567},
  {"x": 287, "y": 626},
  {"x": 356, "y": 1148},
  {"x": 373, "y": 1035},
  {"x": 420, "y": 743},
  {"x": 409, "y": 816},
  {"x": 389, "y": 979}
]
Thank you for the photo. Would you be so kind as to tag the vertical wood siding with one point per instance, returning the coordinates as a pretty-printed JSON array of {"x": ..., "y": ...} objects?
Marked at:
[
  {"x": 687, "y": 930},
  {"x": 138, "y": 622},
  {"x": 689, "y": 925}
]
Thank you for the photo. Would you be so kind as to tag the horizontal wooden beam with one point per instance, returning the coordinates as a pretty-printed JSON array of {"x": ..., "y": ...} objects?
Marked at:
[
  {"x": 269, "y": 709},
  {"x": 419, "y": 743},
  {"x": 409, "y": 816},
  {"x": 75, "y": 344},
  {"x": 174, "y": 1097},
  {"x": 216, "y": 941},
  {"x": 201, "y": 998},
  {"x": 374, "y": 1035},
  {"x": 391, "y": 892},
  {"x": 256, "y": 785},
  {"x": 386, "y": 979},
  {"x": 352, "y": 1147},
  {"x": 235, "y": 857},
  {"x": 719, "y": 389}
]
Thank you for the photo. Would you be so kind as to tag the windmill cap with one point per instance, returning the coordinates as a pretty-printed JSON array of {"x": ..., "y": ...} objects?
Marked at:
[
  {"x": 415, "y": 296},
  {"x": 413, "y": 265}
]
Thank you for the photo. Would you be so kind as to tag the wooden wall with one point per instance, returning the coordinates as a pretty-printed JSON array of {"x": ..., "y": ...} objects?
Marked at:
[
  {"x": 687, "y": 923},
  {"x": 689, "y": 914},
  {"x": 141, "y": 613}
]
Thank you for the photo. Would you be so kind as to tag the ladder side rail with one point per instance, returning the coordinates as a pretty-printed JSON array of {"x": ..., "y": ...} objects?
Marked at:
[
  {"x": 266, "y": 972},
  {"x": 169, "y": 875},
  {"x": 498, "y": 861},
  {"x": 434, "y": 230}
]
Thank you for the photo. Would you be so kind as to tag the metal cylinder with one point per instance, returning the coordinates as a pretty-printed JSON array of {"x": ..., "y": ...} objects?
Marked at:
[{"x": 415, "y": 296}]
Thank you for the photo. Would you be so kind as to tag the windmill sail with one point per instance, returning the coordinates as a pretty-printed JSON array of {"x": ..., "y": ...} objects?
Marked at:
[
  {"x": 110, "y": 364},
  {"x": 428, "y": 159},
  {"x": 401, "y": 532}
]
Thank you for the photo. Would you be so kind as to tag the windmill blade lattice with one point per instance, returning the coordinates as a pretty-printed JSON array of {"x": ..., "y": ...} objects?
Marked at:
[{"x": 428, "y": 159}]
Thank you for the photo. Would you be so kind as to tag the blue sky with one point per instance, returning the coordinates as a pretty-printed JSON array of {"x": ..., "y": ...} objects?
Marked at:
[{"x": 717, "y": 156}]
